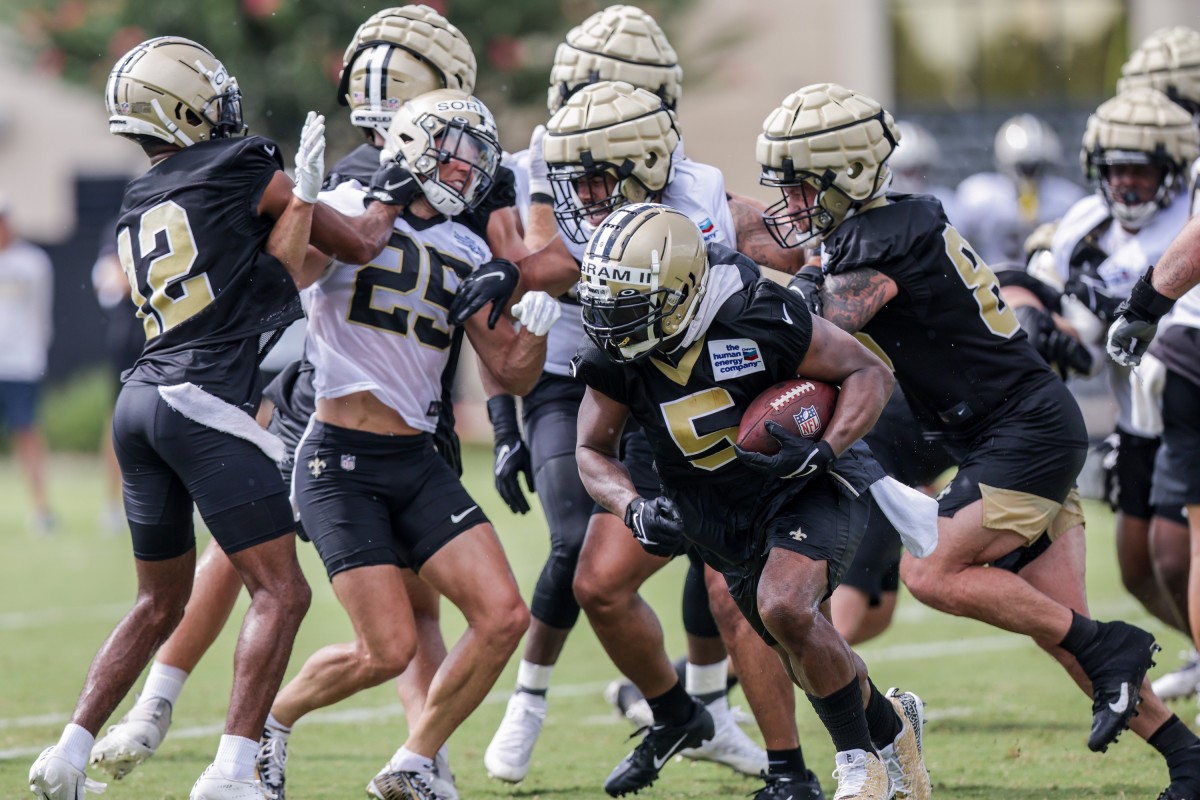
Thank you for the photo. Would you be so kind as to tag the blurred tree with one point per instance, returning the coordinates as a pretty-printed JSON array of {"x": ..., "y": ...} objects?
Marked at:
[{"x": 287, "y": 54}]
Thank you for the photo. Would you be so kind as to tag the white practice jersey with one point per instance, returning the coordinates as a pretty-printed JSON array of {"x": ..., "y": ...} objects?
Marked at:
[
  {"x": 382, "y": 327},
  {"x": 1129, "y": 253},
  {"x": 988, "y": 213}
]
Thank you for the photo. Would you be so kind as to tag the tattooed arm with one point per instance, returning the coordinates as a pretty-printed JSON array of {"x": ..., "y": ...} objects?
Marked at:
[{"x": 851, "y": 299}]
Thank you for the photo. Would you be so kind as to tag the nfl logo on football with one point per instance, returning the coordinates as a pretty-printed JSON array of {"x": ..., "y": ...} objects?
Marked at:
[
  {"x": 807, "y": 421},
  {"x": 347, "y": 463}
]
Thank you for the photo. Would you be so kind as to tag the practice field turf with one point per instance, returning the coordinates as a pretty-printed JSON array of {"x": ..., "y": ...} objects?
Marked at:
[{"x": 1004, "y": 721}]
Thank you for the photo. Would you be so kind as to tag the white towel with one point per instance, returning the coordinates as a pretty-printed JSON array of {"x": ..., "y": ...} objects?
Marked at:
[
  {"x": 912, "y": 513},
  {"x": 213, "y": 412}
]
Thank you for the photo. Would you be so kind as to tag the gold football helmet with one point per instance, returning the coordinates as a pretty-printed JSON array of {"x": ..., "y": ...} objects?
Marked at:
[
  {"x": 611, "y": 144},
  {"x": 1139, "y": 126},
  {"x": 397, "y": 54},
  {"x": 620, "y": 43},
  {"x": 1168, "y": 60},
  {"x": 643, "y": 276},
  {"x": 830, "y": 145},
  {"x": 447, "y": 139},
  {"x": 173, "y": 89}
]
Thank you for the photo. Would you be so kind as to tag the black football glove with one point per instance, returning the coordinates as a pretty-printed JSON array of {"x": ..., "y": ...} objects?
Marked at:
[
  {"x": 1137, "y": 322},
  {"x": 1090, "y": 291},
  {"x": 511, "y": 456},
  {"x": 393, "y": 185},
  {"x": 656, "y": 525},
  {"x": 807, "y": 283},
  {"x": 494, "y": 283},
  {"x": 445, "y": 438},
  {"x": 1065, "y": 354},
  {"x": 798, "y": 458}
]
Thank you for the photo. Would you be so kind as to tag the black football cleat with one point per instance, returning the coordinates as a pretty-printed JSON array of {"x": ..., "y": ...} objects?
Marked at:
[
  {"x": 1116, "y": 662},
  {"x": 1177, "y": 792},
  {"x": 640, "y": 768},
  {"x": 790, "y": 786}
]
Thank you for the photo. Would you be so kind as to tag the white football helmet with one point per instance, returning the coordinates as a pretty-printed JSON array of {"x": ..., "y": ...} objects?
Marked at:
[
  {"x": 834, "y": 141},
  {"x": 1139, "y": 126},
  {"x": 173, "y": 89},
  {"x": 608, "y": 134},
  {"x": 1168, "y": 60},
  {"x": 1026, "y": 146},
  {"x": 644, "y": 274},
  {"x": 447, "y": 139},
  {"x": 620, "y": 43},
  {"x": 397, "y": 54},
  {"x": 917, "y": 153}
]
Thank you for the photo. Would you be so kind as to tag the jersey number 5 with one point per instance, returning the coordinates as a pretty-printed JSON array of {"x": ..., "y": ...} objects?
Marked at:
[
  {"x": 698, "y": 438},
  {"x": 165, "y": 253}
]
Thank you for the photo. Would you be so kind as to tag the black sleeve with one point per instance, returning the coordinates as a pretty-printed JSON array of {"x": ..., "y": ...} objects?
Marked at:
[
  {"x": 591, "y": 367},
  {"x": 245, "y": 174},
  {"x": 787, "y": 325}
]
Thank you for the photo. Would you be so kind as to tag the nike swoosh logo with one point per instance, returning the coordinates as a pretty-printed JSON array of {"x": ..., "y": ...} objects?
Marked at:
[
  {"x": 502, "y": 456},
  {"x": 457, "y": 518},
  {"x": 809, "y": 470},
  {"x": 479, "y": 277},
  {"x": 786, "y": 318},
  {"x": 658, "y": 763},
  {"x": 387, "y": 187},
  {"x": 1123, "y": 703}
]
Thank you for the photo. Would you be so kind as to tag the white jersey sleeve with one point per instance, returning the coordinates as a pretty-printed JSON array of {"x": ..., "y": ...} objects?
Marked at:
[{"x": 382, "y": 327}]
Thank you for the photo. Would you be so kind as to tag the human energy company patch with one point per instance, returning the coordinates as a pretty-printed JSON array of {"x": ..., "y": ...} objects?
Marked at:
[{"x": 732, "y": 358}]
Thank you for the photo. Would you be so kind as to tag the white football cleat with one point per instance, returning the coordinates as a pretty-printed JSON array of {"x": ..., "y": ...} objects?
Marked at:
[
  {"x": 441, "y": 780},
  {"x": 904, "y": 758},
  {"x": 212, "y": 785},
  {"x": 1182, "y": 682},
  {"x": 730, "y": 745},
  {"x": 52, "y": 777},
  {"x": 134, "y": 738},
  {"x": 861, "y": 776},
  {"x": 511, "y": 749}
]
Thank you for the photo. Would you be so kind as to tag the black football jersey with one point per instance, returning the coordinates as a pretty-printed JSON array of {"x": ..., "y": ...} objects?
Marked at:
[
  {"x": 192, "y": 244},
  {"x": 956, "y": 348},
  {"x": 691, "y": 405}
]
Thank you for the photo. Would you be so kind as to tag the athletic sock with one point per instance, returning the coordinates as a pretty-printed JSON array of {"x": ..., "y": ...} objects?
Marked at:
[
  {"x": 674, "y": 707},
  {"x": 707, "y": 682},
  {"x": 882, "y": 720},
  {"x": 163, "y": 681},
  {"x": 843, "y": 716},
  {"x": 789, "y": 761},
  {"x": 235, "y": 757},
  {"x": 534, "y": 678},
  {"x": 1081, "y": 633}
]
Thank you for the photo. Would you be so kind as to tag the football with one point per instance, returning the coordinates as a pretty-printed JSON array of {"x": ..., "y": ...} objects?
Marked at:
[{"x": 803, "y": 405}]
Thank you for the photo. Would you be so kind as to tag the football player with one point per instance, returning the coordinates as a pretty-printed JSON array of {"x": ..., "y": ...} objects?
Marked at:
[
  {"x": 372, "y": 499},
  {"x": 1136, "y": 151},
  {"x": 1010, "y": 532},
  {"x": 213, "y": 239},
  {"x": 611, "y": 144},
  {"x": 997, "y": 211},
  {"x": 395, "y": 55},
  {"x": 662, "y": 309}
]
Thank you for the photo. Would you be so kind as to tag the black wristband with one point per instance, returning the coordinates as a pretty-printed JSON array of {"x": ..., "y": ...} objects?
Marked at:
[
  {"x": 502, "y": 411},
  {"x": 541, "y": 197},
  {"x": 1146, "y": 302}
]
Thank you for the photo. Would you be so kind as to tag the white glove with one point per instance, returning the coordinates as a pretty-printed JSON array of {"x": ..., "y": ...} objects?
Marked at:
[
  {"x": 538, "y": 312},
  {"x": 539, "y": 179},
  {"x": 310, "y": 158}
]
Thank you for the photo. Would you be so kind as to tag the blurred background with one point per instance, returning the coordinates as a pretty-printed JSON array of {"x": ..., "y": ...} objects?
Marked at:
[{"x": 958, "y": 67}]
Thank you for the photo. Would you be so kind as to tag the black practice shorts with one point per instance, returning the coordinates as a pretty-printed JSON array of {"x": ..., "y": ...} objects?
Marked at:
[
  {"x": 1133, "y": 471},
  {"x": 1024, "y": 466},
  {"x": 822, "y": 522},
  {"x": 168, "y": 462},
  {"x": 1177, "y": 465},
  {"x": 876, "y": 565},
  {"x": 369, "y": 499}
]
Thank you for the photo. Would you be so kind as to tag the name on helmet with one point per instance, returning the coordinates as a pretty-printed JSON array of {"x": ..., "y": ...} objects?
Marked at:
[
  {"x": 461, "y": 105},
  {"x": 617, "y": 273}
]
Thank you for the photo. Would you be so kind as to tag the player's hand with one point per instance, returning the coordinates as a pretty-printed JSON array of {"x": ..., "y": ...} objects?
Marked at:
[
  {"x": 807, "y": 283},
  {"x": 393, "y": 185},
  {"x": 1091, "y": 291},
  {"x": 1063, "y": 352},
  {"x": 656, "y": 524},
  {"x": 1129, "y": 338},
  {"x": 798, "y": 458},
  {"x": 511, "y": 455},
  {"x": 310, "y": 158},
  {"x": 538, "y": 312},
  {"x": 494, "y": 283},
  {"x": 539, "y": 175}
]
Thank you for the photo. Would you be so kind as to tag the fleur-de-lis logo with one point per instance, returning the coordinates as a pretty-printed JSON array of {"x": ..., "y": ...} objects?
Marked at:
[{"x": 316, "y": 466}]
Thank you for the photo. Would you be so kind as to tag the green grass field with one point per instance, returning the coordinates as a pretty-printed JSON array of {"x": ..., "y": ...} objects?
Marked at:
[{"x": 1004, "y": 721}]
